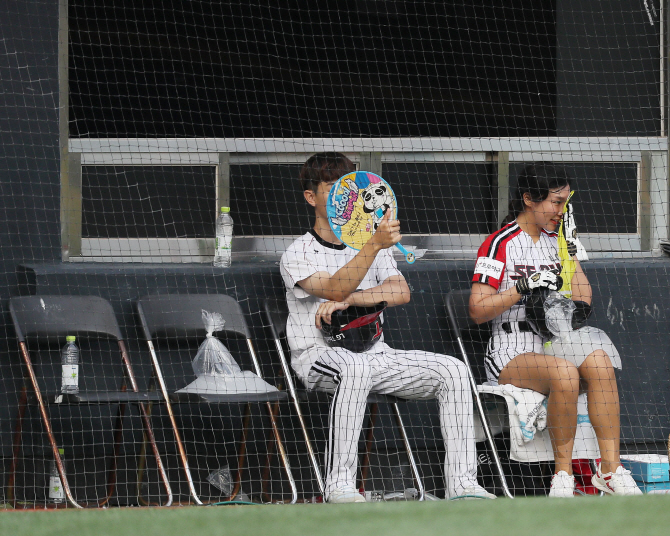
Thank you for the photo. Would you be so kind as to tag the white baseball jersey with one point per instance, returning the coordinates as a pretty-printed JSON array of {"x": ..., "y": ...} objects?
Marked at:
[
  {"x": 510, "y": 254},
  {"x": 308, "y": 255}
]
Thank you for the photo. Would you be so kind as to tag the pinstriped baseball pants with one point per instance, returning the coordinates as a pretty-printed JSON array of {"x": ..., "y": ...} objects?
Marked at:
[{"x": 412, "y": 375}]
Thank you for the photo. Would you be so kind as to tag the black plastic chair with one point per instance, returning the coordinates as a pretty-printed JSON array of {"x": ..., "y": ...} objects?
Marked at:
[
  {"x": 175, "y": 316},
  {"x": 276, "y": 312},
  {"x": 49, "y": 319}
]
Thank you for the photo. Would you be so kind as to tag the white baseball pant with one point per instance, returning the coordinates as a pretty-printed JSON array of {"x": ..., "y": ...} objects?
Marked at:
[{"x": 411, "y": 375}]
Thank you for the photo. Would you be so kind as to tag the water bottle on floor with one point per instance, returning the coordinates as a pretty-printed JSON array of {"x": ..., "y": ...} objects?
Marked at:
[
  {"x": 224, "y": 238},
  {"x": 56, "y": 492},
  {"x": 70, "y": 366}
]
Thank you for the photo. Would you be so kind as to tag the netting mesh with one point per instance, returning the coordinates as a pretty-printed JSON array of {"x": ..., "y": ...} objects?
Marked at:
[{"x": 126, "y": 126}]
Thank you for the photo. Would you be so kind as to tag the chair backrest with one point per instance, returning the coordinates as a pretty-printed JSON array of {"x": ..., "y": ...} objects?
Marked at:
[
  {"x": 458, "y": 311},
  {"x": 276, "y": 311},
  {"x": 52, "y": 318},
  {"x": 181, "y": 314}
]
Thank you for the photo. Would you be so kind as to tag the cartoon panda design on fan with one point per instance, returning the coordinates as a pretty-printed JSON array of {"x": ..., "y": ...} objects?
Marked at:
[
  {"x": 357, "y": 202},
  {"x": 376, "y": 200}
]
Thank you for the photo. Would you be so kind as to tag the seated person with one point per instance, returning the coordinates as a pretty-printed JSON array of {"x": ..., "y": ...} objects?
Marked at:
[
  {"x": 511, "y": 263},
  {"x": 322, "y": 276}
]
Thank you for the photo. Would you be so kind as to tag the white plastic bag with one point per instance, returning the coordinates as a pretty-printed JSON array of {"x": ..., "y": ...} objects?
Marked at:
[
  {"x": 213, "y": 358},
  {"x": 215, "y": 368},
  {"x": 558, "y": 312}
]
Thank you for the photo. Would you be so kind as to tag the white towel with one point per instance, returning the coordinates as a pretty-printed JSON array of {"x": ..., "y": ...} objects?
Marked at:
[
  {"x": 530, "y": 411},
  {"x": 539, "y": 448}
]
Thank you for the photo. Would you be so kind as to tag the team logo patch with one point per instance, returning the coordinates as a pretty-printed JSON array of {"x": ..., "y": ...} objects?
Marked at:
[{"x": 489, "y": 267}]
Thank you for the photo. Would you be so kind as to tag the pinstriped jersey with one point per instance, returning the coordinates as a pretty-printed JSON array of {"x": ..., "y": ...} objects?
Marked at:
[{"x": 510, "y": 254}]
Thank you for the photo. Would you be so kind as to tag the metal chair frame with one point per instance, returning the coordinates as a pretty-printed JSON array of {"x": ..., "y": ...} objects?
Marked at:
[
  {"x": 90, "y": 315},
  {"x": 457, "y": 300},
  {"x": 276, "y": 313},
  {"x": 235, "y": 324}
]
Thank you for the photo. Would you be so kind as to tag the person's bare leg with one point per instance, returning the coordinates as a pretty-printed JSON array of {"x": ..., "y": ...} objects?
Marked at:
[
  {"x": 559, "y": 379},
  {"x": 603, "y": 398}
]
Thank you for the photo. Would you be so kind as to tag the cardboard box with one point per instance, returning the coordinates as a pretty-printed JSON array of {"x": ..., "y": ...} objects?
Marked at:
[
  {"x": 647, "y": 467},
  {"x": 654, "y": 487}
]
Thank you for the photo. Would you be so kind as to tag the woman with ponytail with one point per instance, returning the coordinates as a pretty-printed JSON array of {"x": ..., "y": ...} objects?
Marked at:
[{"x": 521, "y": 260}]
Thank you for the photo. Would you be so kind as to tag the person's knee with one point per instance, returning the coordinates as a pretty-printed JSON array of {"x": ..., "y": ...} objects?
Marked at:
[
  {"x": 452, "y": 372},
  {"x": 356, "y": 368},
  {"x": 564, "y": 377},
  {"x": 597, "y": 365}
]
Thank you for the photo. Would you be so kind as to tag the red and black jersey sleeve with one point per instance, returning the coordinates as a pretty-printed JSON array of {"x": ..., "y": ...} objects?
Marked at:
[{"x": 492, "y": 256}]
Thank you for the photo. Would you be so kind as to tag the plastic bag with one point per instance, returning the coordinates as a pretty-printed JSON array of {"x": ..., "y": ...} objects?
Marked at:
[
  {"x": 213, "y": 358},
  {"x": 215, "y": 368},
  {"x": 558, "y": 312}
]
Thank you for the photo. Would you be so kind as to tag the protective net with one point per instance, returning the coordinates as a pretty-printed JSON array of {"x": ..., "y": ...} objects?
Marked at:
[{"x": 126, "y": 126}]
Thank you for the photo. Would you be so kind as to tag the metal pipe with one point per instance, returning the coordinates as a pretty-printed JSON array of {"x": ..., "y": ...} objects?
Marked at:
[
  {"x": 484, "y": 420},
  {"x": 296, "y": 405},
  {"x": 173, "y": 421},
  {"x": 410, "y": 454},
  {"x": 280, "y": 445},
  {"x": 146, "y": 422}
]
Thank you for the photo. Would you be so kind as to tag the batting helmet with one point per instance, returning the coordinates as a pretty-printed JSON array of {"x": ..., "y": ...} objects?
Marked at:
[{"x": 355, "y": 328}]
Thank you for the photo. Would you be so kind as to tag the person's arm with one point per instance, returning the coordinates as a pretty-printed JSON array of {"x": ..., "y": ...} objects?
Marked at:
[
  {"x": 339, "y": 286},
  {"x": 393, "y": 290},
  {"x": 581, "y": 288},
  {"x": 486, "y": 303}
]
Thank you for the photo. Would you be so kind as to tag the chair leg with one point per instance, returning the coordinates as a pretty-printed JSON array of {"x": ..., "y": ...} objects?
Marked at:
[
  {"x": 410, "y": 454},
  {"x": 242, "y": 453},
  {"x": 175, "y": 429},
  {"x": 265, "y": 479},
  {"x": 16, "y": 445},
  {"x": 283, "y": 455},
  {"x": 47, "y": 425},
  {"x": 296, "y": 404},
  {"x": 148, "y": 431},
  {"x": 484, "y": 419},
  {"x": 365, "y": 466}
]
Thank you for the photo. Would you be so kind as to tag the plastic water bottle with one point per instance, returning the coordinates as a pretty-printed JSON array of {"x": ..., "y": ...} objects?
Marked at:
[
  {"x": 224, "y": 238},
  {"x": 56, "y": 492},
  {"x": 70, "y": 366}
]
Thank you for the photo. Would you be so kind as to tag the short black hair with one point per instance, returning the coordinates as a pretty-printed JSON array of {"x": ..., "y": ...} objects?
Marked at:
[
  {"x": 536, "y": 179},
  {"x": 324, "y": 167}
]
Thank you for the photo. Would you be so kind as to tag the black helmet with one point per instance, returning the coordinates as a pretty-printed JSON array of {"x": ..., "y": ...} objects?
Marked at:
[
  {"x": 355, "y": 328},
  {"x": 535, "y": 313}
]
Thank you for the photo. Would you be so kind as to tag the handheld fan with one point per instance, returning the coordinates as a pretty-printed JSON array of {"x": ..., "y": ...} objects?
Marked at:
[{"x": 357, "y": 202}]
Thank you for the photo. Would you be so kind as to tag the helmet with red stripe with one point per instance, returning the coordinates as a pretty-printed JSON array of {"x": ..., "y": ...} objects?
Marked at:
[{"x": 355, "y": 328}]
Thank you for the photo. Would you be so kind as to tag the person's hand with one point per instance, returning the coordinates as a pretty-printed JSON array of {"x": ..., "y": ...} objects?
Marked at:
[
  {"x": 325, "y": 311},
  {"x": 548, "y": 279},
  {"x": 575, "y": 246},
  {"x": 387, "y": 233}
]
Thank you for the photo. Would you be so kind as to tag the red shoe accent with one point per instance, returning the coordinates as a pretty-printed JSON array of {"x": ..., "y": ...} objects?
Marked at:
[{"x": 581, "y": 469}]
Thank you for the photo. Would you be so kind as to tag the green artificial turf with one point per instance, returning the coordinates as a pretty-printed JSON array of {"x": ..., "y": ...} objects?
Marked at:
[{"x": 593, "y": 516}]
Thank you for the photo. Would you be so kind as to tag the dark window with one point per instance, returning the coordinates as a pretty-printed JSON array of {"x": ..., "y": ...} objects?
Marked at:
[
  {"x": 605, "y": 198},
  {"x": 441, "y": 198},
  {"x": 148, "y": 201}
]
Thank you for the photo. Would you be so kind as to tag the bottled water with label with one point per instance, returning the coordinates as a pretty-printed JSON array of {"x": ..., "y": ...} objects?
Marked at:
[
  {"x": 56, "y": 492},
  {"x": 70, "y": 366},
  {"x": 224, "y": 238}
]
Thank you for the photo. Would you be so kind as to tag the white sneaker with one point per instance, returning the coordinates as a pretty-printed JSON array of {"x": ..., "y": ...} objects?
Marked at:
[
  {"x": 472, "y": 492},
  {"x": 348, "y": 494},
  {"x": 618, "y": 483},
  {"x": 562, "y": 485}
]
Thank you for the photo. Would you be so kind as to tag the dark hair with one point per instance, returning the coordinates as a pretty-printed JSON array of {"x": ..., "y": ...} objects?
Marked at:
[
  {"x": 324, "y": 167},
  {"x": 537, "y": 179}
]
